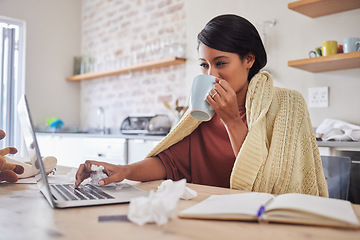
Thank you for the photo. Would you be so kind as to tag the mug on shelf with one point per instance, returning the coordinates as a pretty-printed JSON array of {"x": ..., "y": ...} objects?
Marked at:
[
  {"x": 329, "y": 48},
  {"x": 316, "y": 53},
  {"x": 351, "y": 45},
  {"x": 340, "y": 48}
]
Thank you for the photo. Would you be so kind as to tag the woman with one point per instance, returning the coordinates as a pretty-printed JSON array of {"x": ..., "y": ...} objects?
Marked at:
[{"x": 260, "y": 138}]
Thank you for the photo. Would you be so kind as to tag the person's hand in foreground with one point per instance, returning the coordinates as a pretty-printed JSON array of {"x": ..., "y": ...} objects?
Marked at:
[{"x": 116, "y": 173}]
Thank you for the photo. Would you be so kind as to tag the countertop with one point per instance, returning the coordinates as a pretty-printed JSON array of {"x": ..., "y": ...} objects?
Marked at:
[
  {"x": 99, "y": 135},
  {"x": 320, "y": 143},
  {"x": 159, "y": 137},
  {"x": 338, "y": 144}
]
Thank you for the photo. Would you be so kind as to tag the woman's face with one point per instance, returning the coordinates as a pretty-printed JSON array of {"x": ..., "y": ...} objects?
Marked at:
[{"x": 227, "y": 66}]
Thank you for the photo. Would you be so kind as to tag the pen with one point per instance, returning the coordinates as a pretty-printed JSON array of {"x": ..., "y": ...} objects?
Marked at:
[{"x": 262, "y": 209}]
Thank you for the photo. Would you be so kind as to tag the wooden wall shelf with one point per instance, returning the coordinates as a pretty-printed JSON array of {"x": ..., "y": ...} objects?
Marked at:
[
  {"x": 165, "y": 62},
  {"x": 318, "y": 8},
  {"x": 339, "y": 61}
]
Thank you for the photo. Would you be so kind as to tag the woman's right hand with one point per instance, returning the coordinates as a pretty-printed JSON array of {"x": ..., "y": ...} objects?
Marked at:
[{"x": 116, "y": 173}]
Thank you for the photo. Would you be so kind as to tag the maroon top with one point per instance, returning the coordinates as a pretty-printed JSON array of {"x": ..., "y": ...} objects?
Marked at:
[{"x": 204, "y": 157}]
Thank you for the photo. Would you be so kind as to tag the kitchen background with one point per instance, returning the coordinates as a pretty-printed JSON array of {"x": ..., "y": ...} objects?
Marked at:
[{"x": 119, "y": 32}]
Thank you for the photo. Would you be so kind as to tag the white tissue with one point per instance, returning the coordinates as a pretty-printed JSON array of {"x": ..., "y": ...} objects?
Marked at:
[
  {"x": 187, "y": 194},
  {"x": 332, "y": 129},
  {"x": 159, "y": 206},
  {"x": 97, "y": 175}
]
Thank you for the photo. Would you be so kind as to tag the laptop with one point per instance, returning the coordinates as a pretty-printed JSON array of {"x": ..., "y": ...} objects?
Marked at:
[{"x": 65, "y": 195}]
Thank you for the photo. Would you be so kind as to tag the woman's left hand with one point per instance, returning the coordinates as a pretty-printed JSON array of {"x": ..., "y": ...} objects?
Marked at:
[{"x": 223, "y": 100}]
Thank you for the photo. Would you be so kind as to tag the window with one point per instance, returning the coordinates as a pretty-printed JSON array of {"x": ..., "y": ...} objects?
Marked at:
[{"x": 12, "y": 66}]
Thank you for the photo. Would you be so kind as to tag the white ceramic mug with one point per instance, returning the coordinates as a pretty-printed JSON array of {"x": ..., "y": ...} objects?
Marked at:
[
  {"x": 351, "y": 45},
  {"x": 199, "y": 107}
]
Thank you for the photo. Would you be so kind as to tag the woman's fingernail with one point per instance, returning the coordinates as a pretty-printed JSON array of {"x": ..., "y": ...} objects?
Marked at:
[{"x": 101, "y": 183}]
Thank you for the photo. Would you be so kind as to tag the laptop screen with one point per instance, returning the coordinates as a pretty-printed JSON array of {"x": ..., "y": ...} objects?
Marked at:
[{"x": 33, "y": 148}]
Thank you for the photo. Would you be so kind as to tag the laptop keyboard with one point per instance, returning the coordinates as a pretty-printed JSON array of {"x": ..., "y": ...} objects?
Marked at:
[{"x": 83, "y": 192}]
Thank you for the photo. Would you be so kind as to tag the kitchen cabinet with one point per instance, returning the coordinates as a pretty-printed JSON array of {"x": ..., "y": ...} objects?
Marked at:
[
  {"x": 74, "y": 149},
  {"x": 318, "y": 8},
  {"x": 165, "y": 62},
  {"x": 111, "y": 150},
  {"x": 68, "y": 150},
  {"x": 139, "y": 148}
]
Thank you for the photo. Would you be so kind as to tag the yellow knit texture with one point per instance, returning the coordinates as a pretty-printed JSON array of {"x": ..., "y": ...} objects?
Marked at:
[{"x": 280, "y": 153}]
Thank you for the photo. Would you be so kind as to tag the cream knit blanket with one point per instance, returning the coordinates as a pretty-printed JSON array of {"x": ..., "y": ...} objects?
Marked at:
[{"x": 280, "y": 153}]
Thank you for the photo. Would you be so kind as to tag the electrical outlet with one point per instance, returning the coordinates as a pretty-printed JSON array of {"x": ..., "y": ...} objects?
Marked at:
[{"x": 318, "y": 97}]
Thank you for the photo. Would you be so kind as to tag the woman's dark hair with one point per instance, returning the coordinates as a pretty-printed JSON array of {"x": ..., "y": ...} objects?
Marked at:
[{"x": 235, "y": 34}]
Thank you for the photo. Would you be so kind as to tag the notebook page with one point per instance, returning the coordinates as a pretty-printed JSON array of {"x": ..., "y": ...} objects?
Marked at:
[
  {"x": 329, "y": 207},
  {"x": 241, "y": 203}
]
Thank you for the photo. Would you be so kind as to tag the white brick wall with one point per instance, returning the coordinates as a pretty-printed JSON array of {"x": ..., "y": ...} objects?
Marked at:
[{"x": 112, "y": 31}]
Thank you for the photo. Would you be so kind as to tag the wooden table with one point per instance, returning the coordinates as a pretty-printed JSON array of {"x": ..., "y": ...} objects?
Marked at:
[{"x": 25, "y": 214}]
